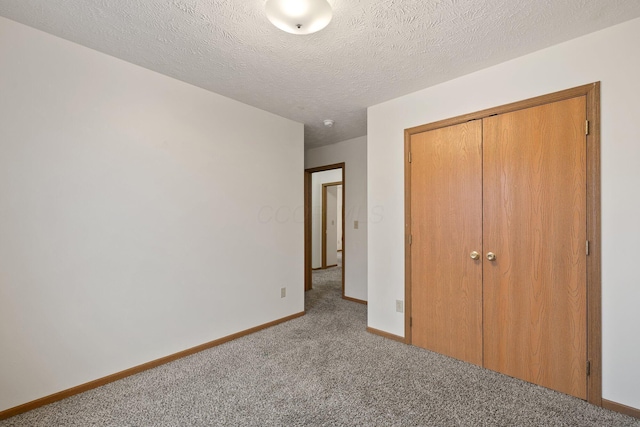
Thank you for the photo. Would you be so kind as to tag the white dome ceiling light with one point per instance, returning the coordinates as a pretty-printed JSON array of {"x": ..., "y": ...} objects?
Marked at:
[{"x": 299, "y": 16}]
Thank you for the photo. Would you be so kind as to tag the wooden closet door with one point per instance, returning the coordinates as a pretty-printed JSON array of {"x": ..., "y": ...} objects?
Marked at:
[
  {"x": 446, "y": 226},
  {"x": 535, "y": 222}
]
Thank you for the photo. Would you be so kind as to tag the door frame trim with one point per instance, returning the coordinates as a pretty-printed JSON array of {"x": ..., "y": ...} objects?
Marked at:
[
  {"x": 594, "y": 266},
  {"x": 308, "y": 224},
  {"x": 324, "y": 221}
]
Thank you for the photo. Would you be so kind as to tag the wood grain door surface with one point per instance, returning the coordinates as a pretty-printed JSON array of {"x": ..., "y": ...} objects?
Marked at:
[
  {"x": 534, "y": 169},
  {"x": 446, "y": 212},
  {"x": 513, "y": 184}
]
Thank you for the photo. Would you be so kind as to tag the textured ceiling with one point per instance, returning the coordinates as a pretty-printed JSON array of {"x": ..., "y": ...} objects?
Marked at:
[{"x": 372, "y": 51}]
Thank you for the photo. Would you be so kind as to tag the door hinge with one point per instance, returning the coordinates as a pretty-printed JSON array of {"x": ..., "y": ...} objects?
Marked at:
[
  {"x": 588, "y": 367},
  {"x": 410, "y": 321},
  {"x": 587, "y": 247},
  {"x": 586, "y": 128},
  {"x": 410, "y": 239},
  {"x": 409, "y": 156}
]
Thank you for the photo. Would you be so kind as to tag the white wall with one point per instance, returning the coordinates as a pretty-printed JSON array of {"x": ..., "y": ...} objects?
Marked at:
[
  {"x": 134, "y": 215},
  {"x": 610, "y": 56},
  {"x": 317, "y": 179},
  {"x": 354, "y": 153}
]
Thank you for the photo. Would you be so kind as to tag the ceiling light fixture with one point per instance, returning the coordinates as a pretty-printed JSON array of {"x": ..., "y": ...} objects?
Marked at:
[{"x": 299, "y": 16}]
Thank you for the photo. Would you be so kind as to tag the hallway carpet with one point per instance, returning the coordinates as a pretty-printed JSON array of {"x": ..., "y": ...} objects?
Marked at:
[{"x": 322, "y": 369}]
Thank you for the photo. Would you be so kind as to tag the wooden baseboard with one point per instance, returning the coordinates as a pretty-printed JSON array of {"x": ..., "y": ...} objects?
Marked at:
[
  {"x": 386, "y": 335},
  {"x": 619, "y": 407},
  {"x": 136, "y": 369},
  {"x": 359, "y": 301}
]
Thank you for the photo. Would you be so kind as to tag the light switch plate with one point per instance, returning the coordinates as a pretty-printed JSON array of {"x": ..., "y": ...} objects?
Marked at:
[{"x": 399, "y": 306}]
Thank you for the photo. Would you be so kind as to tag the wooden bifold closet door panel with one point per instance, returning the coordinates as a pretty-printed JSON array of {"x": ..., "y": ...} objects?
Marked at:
[
  {"x": 446, "y": 203},
  {"x": 534, "y": 173},
  {"x": 513, "y": 185}
]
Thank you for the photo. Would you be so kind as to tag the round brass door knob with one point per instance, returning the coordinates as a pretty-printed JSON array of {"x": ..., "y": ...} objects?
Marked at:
[
  {"x": 475, "y": 255},
  {"x": 491, "y": 256}
]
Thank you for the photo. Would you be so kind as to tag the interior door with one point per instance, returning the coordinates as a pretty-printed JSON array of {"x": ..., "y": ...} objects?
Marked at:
[
  {"x": 339, "y": 231},
  {"x": 446, "y": 227},
  {"x": 331, "y": 226},
  {"x": 534, "y": 170}
]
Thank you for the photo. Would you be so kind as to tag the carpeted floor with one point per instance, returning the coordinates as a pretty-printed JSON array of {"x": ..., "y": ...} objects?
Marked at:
[{"x": 322, "y": 369}]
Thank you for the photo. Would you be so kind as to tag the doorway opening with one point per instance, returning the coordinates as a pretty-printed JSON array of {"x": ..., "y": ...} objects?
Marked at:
[
  {"x": 332, "y": 223},
  {"x": 324, "y": 218}
]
